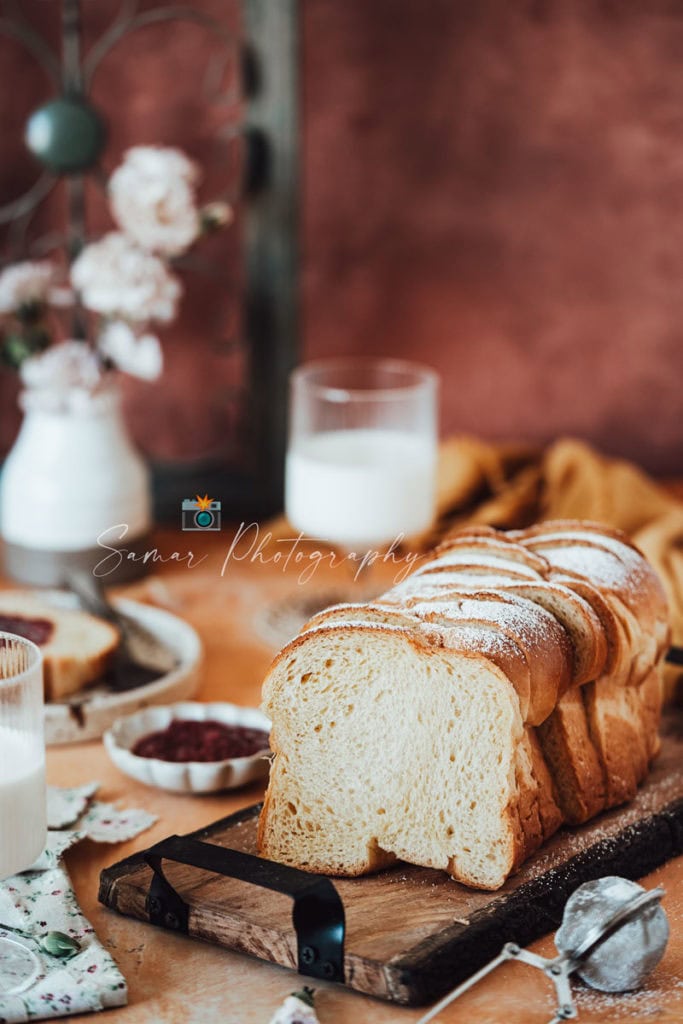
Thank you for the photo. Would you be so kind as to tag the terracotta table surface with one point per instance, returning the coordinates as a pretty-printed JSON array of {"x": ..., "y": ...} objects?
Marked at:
[{"x": 179, "y": 981}]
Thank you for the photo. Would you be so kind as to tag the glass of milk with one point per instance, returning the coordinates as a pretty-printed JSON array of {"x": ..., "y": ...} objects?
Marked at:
[
  {"x": 23, "y": 816},
  {"x": 361, "y": 462}
]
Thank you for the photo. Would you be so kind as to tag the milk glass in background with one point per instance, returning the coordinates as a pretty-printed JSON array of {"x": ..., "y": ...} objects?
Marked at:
[
  {"x": 23, "y": 815},
  {"x": 361, "y": 463}
]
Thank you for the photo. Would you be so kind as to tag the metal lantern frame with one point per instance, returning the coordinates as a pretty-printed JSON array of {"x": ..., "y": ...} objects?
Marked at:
[{"x": 267, "y": 51}]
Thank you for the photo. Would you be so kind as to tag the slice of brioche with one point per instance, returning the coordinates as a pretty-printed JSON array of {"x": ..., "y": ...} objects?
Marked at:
[
  {"x": 642, "y": 583},
  {"x": 579, "y": 620},
  {"x": 623, "y": 724},
  {"x": 608, "y": 559},
  {"x": 549, "y": 811},
  {"x": 457, "y": 634},
  {"x": 651, "y": 610},
  {"x": 469, "y": 577},
  {"x": 544, "y": 642},
  {"x": 528, "y": 802},
  {"x": 76, "y": 646},
  {"x": 484, "y": 551},
  {"x": 573, "y": 760},
  {"x": 651, "y": 693},
  {"x": 619, "y": 660},
  {"x": 381, "y": 743},
  {"x": 606, "y": 571}
]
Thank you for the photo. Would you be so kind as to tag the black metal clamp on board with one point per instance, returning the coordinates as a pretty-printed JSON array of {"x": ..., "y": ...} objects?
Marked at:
[{"x": 317, "y": 914}]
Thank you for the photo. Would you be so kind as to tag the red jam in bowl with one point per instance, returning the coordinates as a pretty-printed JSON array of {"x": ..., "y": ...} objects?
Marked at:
[{"x": 190, "y": 740}]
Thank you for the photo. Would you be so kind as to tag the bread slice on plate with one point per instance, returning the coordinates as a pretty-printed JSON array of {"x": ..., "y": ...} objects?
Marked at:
[{"x": 76, "y": 647}]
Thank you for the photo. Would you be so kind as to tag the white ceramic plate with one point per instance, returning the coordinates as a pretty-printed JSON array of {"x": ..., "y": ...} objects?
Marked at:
[
  {"x": 186, "y": 776},
  {"x": 86, "y": 715}
]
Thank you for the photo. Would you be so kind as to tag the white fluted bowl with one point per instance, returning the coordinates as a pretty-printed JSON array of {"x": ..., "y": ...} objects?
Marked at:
[{"x": 186, "y": 776}]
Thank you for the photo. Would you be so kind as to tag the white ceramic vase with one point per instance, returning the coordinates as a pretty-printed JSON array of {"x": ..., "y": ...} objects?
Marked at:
[{"x": 72, "y": 488}]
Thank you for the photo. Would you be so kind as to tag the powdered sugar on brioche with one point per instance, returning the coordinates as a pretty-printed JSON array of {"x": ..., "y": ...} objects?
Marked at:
[
  {"x": 599, "y": 566},
  {"x": 477, "y": 558},
  {"x": 471, "y": 577}
]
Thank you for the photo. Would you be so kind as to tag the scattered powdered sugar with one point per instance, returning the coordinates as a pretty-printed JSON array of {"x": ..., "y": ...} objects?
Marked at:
[
  {"x": 448, "y": 607},
  {"x": 554, "y": 586},
  {"x": 661, "y": 993}
]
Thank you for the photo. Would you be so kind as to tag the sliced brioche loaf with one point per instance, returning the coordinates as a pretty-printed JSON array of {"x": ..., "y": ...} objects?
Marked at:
[{"x": 456, "y": 722}]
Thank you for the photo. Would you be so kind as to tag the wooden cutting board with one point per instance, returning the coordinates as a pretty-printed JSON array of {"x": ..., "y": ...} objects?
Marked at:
[{"x": 413, "y": 933}]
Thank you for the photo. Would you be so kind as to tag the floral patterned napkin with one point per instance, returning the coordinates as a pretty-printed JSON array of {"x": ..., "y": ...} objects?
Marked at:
[
  {"x": 42, "y": 900},
  {"x": 65, "y": 805}
]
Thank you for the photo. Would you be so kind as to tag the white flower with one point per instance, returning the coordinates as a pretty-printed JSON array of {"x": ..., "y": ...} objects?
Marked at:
[
  {"x": 152, "y": 198},
  {"x": 117, "y": 279},
  {"x": 139, "y": 355},
  {"x": 22, "y": 284},
  {"x": 65, "y": 377}
]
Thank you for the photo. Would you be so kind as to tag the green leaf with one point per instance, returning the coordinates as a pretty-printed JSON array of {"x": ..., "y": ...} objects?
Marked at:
[
  {"x": 305, "y": 995},
  {"x": 15, "y": 350},
  {"x": 19, "y": 345},
  {"x": 60, "y": 945}
]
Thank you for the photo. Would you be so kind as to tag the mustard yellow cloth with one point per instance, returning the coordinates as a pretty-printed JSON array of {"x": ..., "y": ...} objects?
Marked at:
[{"x": 507, "y": 486}]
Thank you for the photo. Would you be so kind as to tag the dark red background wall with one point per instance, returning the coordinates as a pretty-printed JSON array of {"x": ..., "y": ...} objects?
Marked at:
[{"x": 495, "y": 188}]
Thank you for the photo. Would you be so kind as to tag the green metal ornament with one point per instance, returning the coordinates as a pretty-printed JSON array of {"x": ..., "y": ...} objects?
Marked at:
[{"x": 67, "y": 135}]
